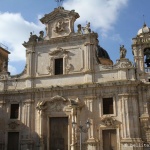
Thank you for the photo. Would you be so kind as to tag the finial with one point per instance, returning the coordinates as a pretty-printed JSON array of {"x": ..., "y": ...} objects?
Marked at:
[
  {"x": 144, "y": 21},
  {"x": 59, "y": 2}
]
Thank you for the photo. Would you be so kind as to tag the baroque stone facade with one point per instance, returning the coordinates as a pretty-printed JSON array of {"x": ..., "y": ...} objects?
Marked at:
[{"x": 69, "y": 78}]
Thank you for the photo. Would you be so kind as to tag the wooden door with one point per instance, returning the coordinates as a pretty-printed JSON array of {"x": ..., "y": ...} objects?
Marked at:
[
  {"x": 58, "y": 133},
  {"x": 109, "y": 140},
  {"x": 13, "y": 141}
]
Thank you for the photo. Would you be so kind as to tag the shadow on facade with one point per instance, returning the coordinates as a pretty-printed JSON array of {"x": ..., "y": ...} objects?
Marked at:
[{"x": 15, "y": 135}]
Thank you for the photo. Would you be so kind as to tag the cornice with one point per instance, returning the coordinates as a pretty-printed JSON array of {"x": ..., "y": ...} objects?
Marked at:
[
  {"x": 73, "y": 87},
  {"x": 64, "y": 39}
]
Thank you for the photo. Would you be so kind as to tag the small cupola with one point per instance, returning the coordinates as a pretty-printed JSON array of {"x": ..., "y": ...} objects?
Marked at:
[{"x": 144, "y": 30}]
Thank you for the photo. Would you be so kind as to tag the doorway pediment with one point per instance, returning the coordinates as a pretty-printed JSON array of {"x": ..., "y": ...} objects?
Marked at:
[{"x": 59, "y": 103}]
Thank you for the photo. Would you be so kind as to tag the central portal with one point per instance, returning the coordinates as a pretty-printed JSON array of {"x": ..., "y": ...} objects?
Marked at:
[{"x": 58, "y": 133}]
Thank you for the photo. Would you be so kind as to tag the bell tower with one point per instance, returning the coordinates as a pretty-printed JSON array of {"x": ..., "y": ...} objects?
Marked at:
[{"x": 141, "y": 52}]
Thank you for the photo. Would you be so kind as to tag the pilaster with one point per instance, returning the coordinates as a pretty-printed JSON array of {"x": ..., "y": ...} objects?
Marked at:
[
  {"x": 130, "y": 134},
  {"x": 89, "y": 66},
  {"x": 91, "y": 142}
]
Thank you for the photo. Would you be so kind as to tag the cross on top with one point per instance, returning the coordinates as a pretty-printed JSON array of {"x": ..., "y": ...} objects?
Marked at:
[{"x": 59, "y": 2}]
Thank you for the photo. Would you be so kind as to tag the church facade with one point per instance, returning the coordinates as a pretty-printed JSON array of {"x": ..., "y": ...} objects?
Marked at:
[{"x": 71, "y": 95}]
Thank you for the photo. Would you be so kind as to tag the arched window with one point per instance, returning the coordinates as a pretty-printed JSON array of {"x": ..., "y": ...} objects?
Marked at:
[{"x": 147, "y": 56}]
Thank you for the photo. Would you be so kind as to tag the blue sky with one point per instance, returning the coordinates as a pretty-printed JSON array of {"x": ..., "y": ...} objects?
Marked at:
[{"x": 116, "y": 22}]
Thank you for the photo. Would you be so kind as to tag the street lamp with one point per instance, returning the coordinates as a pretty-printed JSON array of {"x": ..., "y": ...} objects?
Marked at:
[{"x": 81, "y": 129}]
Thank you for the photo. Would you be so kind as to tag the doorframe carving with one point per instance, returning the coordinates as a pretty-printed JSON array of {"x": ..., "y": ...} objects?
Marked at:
[{"x": 67, "y": 110}]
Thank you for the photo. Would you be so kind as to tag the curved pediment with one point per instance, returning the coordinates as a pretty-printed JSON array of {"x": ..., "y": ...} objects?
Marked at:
[
  {"x": 42, "y": 104},
  {"x": 58, "y": 102},
  {"x": 58, "y": 13}
]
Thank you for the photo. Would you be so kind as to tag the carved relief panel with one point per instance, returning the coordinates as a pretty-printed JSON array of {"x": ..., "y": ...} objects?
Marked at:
[{"x": 60, "y": 27}]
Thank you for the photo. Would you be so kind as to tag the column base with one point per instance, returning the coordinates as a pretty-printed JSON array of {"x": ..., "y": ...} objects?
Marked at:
[{"x": 92, "y": 144}]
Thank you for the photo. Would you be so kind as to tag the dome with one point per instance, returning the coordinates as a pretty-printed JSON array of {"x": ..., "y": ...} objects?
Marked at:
[
  {"x": 143, "y": 30},
  {"x": 102, "y": 53},
  {"x": 103, "y": 56}
]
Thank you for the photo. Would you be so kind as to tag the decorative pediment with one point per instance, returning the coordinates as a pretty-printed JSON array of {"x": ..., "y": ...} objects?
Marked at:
[
  {"x": 13, "y": 124},
  {"x": 109, "y": 121},
  {"x": 123, "y": 63},
  {"x": 59, "y": 103},
  {"x": 42, "y": 104},
  {"x": 59, "y": 13},
  {"x": 59, "y": 23},
  {"x": 58, "y": 50}
]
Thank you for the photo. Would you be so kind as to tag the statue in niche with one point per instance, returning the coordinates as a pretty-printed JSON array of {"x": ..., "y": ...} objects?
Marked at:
[
  {"x": 59, "y": 27},
  {"x": 147, "y": 59},
  {"x": 123, "y": 52},
  {"x": 87, "y": 29},
  {"x": 79, "y": 29}
]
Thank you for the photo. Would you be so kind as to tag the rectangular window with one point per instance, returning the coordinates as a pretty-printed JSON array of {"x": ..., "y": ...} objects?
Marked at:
[
  {"x": 58, "y": 66},
  {"x": 108, "y": 106},
  {"x": 14, "y": 111}
]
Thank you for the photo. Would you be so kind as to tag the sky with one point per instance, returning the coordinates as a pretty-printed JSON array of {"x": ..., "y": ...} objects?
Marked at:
[{"x": 115, "y": 21}]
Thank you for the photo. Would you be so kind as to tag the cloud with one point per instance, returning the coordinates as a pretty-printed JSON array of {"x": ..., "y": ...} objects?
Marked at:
[
  {"x": 14, "y": 30},
  {"x": 101, "y": 13},
  {"x": 12, "y": 69}
]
